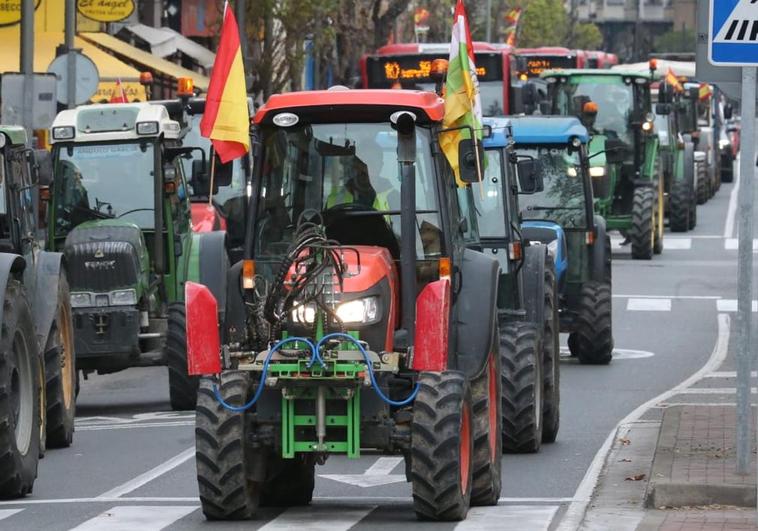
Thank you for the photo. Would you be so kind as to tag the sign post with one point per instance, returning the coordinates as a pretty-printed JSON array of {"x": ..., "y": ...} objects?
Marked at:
[{"x": 733, "y": 41}]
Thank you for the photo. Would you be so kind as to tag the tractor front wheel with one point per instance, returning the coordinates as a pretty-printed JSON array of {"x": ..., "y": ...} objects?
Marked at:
[
  {"x": 21, "y": 392},
  {"x": 727, "y": 168},
  {"x": 521, "y": 375},
  {"x": 551, "y": 416},
  {"x": 642, "y": 231},
  {"x": 702, "y": 182},
  {"x": 221, "y": 450},
  {"x": 182, "y": 387},
  {"x": 592, "y": 338},
  {"x": 442, "y": 442},
  {"x": 679, "y": 206},
  {"x": 60, "y": 373}
]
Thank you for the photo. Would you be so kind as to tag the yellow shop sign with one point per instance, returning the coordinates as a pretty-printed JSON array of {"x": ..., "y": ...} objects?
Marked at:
[
  {"x": 10, "y": 11},
  {"x": 104, "y": 10}
]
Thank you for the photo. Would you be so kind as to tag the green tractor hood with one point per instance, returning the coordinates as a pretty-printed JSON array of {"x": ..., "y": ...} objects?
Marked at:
[{"x": 106, "y": 255}]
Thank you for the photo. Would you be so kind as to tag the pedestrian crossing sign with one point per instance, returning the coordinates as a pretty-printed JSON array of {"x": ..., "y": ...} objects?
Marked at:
[{"x": 733, "y": 33}]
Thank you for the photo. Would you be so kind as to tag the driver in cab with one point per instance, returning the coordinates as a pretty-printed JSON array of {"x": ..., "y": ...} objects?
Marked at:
[{"x": 357, "y": 190}]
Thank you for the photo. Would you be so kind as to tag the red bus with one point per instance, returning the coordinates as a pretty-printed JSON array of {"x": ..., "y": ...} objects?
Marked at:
[
  {"x": 408, "y": 66},
  {"x": 599, "y": 59},
  {"x": 529, "y": 63}
]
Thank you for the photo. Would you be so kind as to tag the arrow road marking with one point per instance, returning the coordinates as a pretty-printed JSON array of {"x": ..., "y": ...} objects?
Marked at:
[{"x": 376, "y": 475}]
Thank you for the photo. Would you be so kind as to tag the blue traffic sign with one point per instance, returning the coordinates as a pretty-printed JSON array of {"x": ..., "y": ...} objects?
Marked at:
[{"x": 733, "y": 33}]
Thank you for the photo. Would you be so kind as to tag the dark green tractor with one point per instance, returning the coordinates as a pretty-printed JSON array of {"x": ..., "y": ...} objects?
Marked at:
[
  {"x": 121, "y": 215},
  {"x": 37, "y": 372},
  {"x": 616, "y": 108}
]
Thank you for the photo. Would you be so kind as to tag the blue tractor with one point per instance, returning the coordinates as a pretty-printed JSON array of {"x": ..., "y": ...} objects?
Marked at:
[{"x": 559, "y": 213}]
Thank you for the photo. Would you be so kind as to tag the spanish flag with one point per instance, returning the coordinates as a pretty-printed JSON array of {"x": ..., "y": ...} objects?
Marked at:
[
  {"x": 226, "y": 118},
  {"x": 118, "y": 95},
  {"x": 672, "y": 80},
  {"x": 704, "y": 91}
]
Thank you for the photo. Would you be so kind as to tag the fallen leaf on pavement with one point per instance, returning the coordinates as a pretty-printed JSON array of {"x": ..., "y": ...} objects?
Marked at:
[
  {"x": 625, "y": 460},
  {"x": 638, "y": 477},
  {"x": 625, "y": 441}
]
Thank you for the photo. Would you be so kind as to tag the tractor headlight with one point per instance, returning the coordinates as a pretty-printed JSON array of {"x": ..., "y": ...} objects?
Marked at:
[
  {"x": 571, "y": 172},
  {"x": 303, "y": 314},
  {"x": 723, "y": 144},
  {"x": 361, "y": 311},
  {"x": 124, "y": 297},
  {"x": 597, "y": 171},
  {"x": 63, "y": 133},
  {"x": 552, "y": 248},
  {"x": 81, "y": 300},
  {"x": 147, "y": 128}
]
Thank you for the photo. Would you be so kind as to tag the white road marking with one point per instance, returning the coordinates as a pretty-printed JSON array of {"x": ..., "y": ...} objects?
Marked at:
[
  {"x": 383, "y": 466},
  {"x": 150, "y": 475},
  {"x": 365, "y": 480},
  {"x": 678, "y": 297},
  {"x": 731, "y": 212},
  {"x": 103, "y": 427},
  {"x": 136, "y": 518},
  {"x": 161, "y": 416},
  {"x": 648, "y": 305},
  {"x": 713, "y": 391},
  {"x": 728, "y": 374},
  {"x": 135, "y": 499},
  {"x": 572, "y": 519},
  {"x": 7, "y": 513},
  {"x": 620, "y": 353},
  {"x": 732, "y": 244},
  {"x": 508, "y": 517},
  {"x": 730, "y": 305},
  {"x": 318, "y": 518},
  {"x": 677, "y": 244}
]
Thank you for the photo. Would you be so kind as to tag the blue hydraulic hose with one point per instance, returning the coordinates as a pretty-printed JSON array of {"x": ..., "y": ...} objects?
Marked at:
[
  {"x": 261, "y": 384},
  {"x": 370, "y": 367}
]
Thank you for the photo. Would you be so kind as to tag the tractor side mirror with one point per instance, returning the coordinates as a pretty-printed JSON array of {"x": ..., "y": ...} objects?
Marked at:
[
  {"x": 728, "y": 111},
  {"x": 43, "y": 162},
  {"x": 545, "y": 108},
  {"x": 615, "y": 151},
  {"x": 529, "y": 95},
  {"x": 693, "y": 93},
  {"x": 665, "y": 93},
  {"x": 662, "y": 109},
  {"x": 222, "y": 174},
  {"x": 467, "y": 160},
  {"x": 200, "y": 178},
  {"x": 529, "y": 176}
]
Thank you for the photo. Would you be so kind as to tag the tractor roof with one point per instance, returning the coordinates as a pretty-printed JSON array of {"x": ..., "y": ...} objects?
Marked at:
[
  {"x": 501, "y": 132},
  {"x": 373, "y": 105},
  {"x": 15, "y": 133},
  {"x": 548, "y": 130},
  {"x": 587, "y": 72}
]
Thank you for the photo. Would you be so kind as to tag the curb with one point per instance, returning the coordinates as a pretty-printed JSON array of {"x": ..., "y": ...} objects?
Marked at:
[{"x": 662, "y": 492}]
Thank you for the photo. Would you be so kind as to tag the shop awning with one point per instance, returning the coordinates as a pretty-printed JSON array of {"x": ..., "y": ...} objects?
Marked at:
[
  {"x": 109, "y": 68},
  {"x": 127, "y": 52},
  {"x": 164, "y": 42}
]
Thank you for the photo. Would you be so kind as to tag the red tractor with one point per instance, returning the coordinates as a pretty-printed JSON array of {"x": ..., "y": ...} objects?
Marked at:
[{"x": 358, "y": 318}]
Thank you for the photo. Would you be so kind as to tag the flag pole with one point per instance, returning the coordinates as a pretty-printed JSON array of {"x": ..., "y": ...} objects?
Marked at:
[
  {"x": 478, "y": 165},
  {"x": 213, "y": 176}
]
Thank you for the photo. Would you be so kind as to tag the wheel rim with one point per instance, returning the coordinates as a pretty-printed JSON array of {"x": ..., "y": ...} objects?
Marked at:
[
  {"x": 22, "y": 394},
  {"x": 494, "y": 400},
  {"x": 66, "y": 355},
  {"x": 465, "y": 447}
]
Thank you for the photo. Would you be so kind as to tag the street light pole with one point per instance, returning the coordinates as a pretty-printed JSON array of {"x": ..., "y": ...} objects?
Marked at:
[
  {"x": 489, "y": 20},
  {"x": 71, "y": 58},
  {"x": 26, "y": 62}
]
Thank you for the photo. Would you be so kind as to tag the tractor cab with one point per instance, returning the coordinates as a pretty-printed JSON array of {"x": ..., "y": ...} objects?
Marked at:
[
  {"x": 615, "y": 107},
  {"x": 120, "y": 213},
  {"x": 356, "y": 301}
]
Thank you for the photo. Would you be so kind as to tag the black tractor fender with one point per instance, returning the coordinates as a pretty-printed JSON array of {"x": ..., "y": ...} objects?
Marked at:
[
  {"x": 44, "y": 300},
  {"x": 214, "y": 265},
  {"x": 600, "y": 258},
  {"x": 689, "y": 163},
  {"x": 11, "y": 265},
  {"x": 234, "y": 325},
  {"x": 535, "y": 257},
  {"x": 475, "y": 311}
]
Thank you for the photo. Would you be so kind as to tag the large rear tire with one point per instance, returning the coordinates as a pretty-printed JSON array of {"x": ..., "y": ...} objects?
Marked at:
[
  {"x": 486, "y": 394},
  {"x": 727, "y": 168},
  {"x": 60, "y": 373},
  {"x": 679, "y": 206},
  {"x": 642, "y": 231},
  {"x": 441, "y": 447},
  {"x": 702, "y": 183},
  {"x": 222, "y": 455},
  {"x": 521, "y": 375},
  {"x": 592, "y": 338},
  {"x": 551, "y": 374},
  {"x": 182, "y": 387},
  {"x": 21, "y": 394}
]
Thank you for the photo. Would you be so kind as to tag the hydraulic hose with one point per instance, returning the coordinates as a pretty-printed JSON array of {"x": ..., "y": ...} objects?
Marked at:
[{"x": 374, "y": 384}]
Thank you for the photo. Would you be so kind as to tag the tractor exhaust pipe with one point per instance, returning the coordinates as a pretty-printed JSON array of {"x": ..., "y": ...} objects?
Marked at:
[{"x": 405, "y": 124}]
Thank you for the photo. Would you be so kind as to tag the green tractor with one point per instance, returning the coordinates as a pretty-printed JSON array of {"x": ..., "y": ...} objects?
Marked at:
[
  {"x": 120, "y": 213},
  {"x": 37, "y": 372},
  {"x": 677, "y": 156},
  {"x": 616, "y": 108}
]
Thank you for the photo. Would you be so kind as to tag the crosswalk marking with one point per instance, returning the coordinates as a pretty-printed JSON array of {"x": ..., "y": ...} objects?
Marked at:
[
  {"x": 649, "y": 305},
  {"x": 508, "y": 517},
  {"x": 732, "y": 244},
  {"x": 713, "y": 391},
  {"x": 136, "y": 518},
  {"x": 383, "y": 466},
  {"x": 318, "y": 518},
  {"x": 730, "y": 305},
  {"x": 7, "y": 513},
  {"x": 677, "y": 244}
]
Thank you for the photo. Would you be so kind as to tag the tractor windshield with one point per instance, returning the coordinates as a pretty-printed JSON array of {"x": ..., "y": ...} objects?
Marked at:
[
  {"x": 99, "y": 181},
  {"x": 346, "y": 177},
  {"x": 613, "y": 96},
  {"x": 490, "y": 200},
  {"x": 563, "y": 198}
]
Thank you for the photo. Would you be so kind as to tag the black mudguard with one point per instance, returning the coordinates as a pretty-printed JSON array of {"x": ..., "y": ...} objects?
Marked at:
[
  {"x": 214, "y": 265},
  {"x": 600, "y": 258},
  {"x": 475, "y": 312},
  {"x": 689, "y": 163},
  {"x": 11, "y": 265},
  {"x": 44, "y": 300},
  {"x": 534, "y": 283},
  {"x": 234, "y": 324}
]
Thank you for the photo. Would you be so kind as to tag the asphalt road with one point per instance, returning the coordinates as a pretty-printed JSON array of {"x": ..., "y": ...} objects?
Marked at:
[{"x": 132, "y": 463}]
